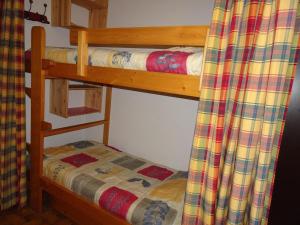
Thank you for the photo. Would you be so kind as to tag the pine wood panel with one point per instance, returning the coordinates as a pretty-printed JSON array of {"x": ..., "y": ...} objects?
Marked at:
[
  {"x": 61, "y": 13},
  {"x": 59, "y": 97},
  {"x": 93, "y": 98},
  {"x": 98, "y": 18},
  {"x": 81, "y": 110},
  {"x": 181, "y": 85},
  {"x": 145, "y": 36}
]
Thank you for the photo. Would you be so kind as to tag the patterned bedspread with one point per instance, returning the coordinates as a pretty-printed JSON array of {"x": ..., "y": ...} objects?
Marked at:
[
  {"x": 174, "y": 60},
  {"x": 131, "y": 188}
]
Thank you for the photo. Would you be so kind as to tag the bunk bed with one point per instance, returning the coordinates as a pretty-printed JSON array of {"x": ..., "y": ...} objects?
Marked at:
[{"x": 63, "y": 199}]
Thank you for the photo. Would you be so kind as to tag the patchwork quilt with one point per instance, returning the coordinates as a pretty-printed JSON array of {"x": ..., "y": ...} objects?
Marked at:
[
  {"x": 141, "y": 192},
  {"x": 173, "y": 60}
]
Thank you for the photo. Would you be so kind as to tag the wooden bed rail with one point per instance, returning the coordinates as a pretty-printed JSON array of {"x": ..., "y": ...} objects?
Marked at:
[
  {"x": 139, "y": 36},
  {"x": 144, "y": 36},
  {"x": 157, "y": 82},
  {"x": 51, "y": 132}
]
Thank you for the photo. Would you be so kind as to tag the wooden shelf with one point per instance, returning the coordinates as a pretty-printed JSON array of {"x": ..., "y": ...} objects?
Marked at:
[
  {"x": 59, "y": 98},
  {"x": 76, "y": 111},
  {"x": 61, "y": 12}
]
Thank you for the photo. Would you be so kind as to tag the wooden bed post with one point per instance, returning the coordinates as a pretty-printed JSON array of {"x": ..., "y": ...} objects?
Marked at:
[
  {"x": 107, "y": 114},
  {"x": 82, "y": 53},
  {"x": 37, "y": 116}
]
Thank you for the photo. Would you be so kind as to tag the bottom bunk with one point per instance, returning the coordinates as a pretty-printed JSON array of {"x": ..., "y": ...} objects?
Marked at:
[{"x": 129, "y": 188}]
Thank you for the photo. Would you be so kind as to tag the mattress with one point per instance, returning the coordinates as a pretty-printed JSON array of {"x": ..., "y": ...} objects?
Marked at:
[
  {"x": 131, "y": 188},
  {"x": 174, "y": 60}
]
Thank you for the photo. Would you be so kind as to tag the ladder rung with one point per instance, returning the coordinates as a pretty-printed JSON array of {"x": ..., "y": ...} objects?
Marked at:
[{"x": 72, "y": 128}]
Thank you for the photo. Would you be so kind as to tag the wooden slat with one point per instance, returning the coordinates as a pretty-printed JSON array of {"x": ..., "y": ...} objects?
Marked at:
[
  {"x": 82, "y": 57},
  {"x": 81, "y": 110},
  {"x": 78, "y": 208},
  {"x": 37, "y": 116},
  {"x": 146, "y": 36},
  {"x": 61, "y": 13},
  {"x": 107, "y": 115},
  {"x": 93, "y": 98},
  {"x": 59, "y": 96},
  {"x": 90, "y": 4},
  {"x": 98, "y": 17},
  {"x": 181, "y": 85},
  {"x": 72, "y": 128}
]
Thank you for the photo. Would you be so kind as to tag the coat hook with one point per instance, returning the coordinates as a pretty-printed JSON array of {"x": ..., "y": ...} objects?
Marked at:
[
  {"x": 45, "y": 6},
  {"x": 30, "y": 2},
  {"x": 36, "y": 16},
  {"x": 44, "y": 18},
  {"x": 26, "y": 14}
]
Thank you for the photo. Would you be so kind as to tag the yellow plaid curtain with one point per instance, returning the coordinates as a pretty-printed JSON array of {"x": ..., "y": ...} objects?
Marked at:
[
  {"x": 12, "y": 105},
  {"x": 248, "y": 74}
]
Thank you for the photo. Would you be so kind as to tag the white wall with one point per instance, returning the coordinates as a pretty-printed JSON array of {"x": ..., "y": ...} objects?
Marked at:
[
  {"x": 133, "y": 13},
  {"x": 155, "y": 127}
]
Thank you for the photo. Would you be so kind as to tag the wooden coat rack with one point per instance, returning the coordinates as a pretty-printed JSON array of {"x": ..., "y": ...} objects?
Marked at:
[{"x": 28, "y": 15}]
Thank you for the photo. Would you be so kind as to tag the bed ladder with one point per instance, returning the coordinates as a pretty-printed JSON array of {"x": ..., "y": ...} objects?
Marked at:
[{"x": 41, "y": 128}]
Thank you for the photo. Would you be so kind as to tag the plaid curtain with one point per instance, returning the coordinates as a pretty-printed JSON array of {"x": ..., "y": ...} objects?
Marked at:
[
  {"x": 12, "y": 105},
  {"x": 248, "y": 75}
]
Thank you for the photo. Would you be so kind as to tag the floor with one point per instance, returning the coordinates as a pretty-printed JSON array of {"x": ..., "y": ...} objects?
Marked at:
[{"x": 27, "y": 216}]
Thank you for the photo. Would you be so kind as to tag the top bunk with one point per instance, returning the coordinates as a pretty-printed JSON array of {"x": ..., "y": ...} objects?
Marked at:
[{"x": 148, "y": 37}]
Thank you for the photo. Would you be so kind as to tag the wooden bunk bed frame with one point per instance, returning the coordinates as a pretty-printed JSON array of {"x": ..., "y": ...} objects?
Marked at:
[{"x": 72, "y": 205}]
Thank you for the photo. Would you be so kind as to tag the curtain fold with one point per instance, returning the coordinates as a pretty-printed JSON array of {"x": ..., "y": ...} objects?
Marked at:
[
  {"x": 12, "y": 105},
  {"x": 248, "y": 74}
]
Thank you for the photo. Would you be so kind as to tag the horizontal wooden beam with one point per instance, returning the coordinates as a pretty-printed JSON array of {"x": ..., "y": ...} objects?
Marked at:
[
  {"x": 168, "y": 83},
  {"x": 72, "y": 128},
  {"x": 145, "y": 36}
]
